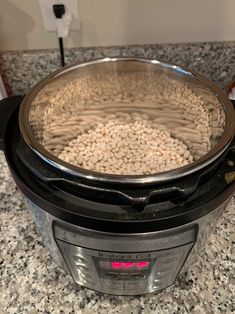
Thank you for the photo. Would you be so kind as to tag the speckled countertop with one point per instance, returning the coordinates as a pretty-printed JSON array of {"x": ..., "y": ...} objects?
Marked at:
[
  {"x": 216, "y": 60},
  {"x": 30, "y": 282}
]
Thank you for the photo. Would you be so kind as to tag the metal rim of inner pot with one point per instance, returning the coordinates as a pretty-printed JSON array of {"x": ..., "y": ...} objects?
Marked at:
[{"x": 177, "y": 173}]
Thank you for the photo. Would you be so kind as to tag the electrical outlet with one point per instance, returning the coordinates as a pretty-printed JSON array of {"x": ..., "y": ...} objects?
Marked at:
[{"x": 49, "y": 19}]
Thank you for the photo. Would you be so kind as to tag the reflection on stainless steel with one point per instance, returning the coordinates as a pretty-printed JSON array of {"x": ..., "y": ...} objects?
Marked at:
[{"x": 75, "y": 100}]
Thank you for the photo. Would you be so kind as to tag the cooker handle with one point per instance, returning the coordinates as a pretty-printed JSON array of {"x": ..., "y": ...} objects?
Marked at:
[{"x": 7, "y": 107}]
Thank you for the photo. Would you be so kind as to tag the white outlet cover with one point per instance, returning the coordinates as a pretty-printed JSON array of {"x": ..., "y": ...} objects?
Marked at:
[{"x": 49, "y": 19}]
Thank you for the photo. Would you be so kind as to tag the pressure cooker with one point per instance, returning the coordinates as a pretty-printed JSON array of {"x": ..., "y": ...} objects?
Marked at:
[{"x": 121, "y": 233}]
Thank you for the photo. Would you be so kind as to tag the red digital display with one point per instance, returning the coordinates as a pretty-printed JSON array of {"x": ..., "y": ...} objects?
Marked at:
[{"x": 129, "y": 265}]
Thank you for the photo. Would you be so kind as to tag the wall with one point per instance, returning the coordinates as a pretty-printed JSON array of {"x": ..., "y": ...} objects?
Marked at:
[{"x": 120, "y": 22}]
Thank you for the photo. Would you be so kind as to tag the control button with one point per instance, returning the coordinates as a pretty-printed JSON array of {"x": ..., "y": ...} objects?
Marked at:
[
  {"x": 156, "y": 288},
  {"x": 158, "y": 273},
  {"x": 85, "y": 275},
  {"x": 83, "y": 271},
  {"x": 163, "y": 276},
  {"x": 111, "y": 275},
  {"x": 79, "y": 259},
  {"x": 158, "y": 283},
  {"x": 138, "y": 276},
  {"x": 124, "y": 273},
  {"x": 78, "y": 263},
  {"x": 156, "y": 280},
  {"x": 82, "y": 268}
]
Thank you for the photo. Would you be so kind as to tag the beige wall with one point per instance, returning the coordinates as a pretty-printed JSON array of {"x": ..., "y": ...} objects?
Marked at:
[{"x": 120, "y": 22}]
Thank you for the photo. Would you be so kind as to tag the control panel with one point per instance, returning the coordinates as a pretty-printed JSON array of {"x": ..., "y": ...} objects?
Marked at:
[{"x": 124, "y": 273}]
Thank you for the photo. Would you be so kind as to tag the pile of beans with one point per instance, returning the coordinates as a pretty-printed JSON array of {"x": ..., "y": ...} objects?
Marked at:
[
  {"x": 126, "y": 149},
  {"x": 130, "y": 124}
]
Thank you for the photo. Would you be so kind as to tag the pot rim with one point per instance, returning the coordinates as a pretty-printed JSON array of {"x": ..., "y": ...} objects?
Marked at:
[{"x": 78, "y": 172}]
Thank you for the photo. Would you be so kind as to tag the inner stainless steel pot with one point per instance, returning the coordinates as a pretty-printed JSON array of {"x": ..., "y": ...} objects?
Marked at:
[{"x": 89, "y": 86}]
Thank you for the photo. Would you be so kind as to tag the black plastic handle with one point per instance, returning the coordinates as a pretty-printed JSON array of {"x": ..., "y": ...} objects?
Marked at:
[{"x": 7, "y": 107}]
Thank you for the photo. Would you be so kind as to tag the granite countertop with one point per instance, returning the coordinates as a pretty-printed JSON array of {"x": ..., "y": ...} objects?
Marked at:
[
  {"x": 23, "y": 69},
  {"x": 32, "y": 283}
]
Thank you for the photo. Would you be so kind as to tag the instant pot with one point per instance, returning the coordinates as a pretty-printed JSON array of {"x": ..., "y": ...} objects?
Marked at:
[{"x": 119, "y": 234}]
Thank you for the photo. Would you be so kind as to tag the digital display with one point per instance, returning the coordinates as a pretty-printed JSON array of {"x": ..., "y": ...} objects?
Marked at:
[
  {"x": 129, "y": 265},
  {"x": 124, "y": 265}
]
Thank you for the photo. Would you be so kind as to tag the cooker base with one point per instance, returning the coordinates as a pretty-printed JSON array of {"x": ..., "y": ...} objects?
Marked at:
[{"x": 123, "y": 264}]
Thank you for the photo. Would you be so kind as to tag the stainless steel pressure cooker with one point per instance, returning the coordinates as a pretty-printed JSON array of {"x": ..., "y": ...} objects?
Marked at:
[{"x": 123, "y": 234}]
